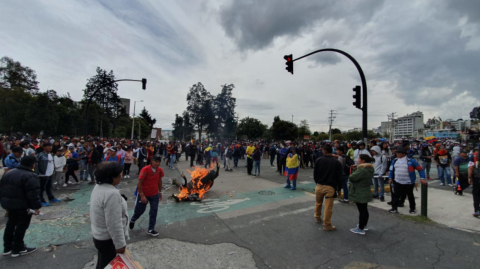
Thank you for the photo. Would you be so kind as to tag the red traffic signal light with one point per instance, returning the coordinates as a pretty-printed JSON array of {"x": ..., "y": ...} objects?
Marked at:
[
  {"x": 357, "y": 96},
  {"x": 144, "y": 83},
  {"x": 289, "y": 63}
]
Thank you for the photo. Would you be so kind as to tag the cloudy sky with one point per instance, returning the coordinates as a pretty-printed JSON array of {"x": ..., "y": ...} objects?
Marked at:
[{"x": 416, "y": 55}]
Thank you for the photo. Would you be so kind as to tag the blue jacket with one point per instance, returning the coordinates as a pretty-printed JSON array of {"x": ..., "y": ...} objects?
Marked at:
[
  {"x": 11, "y": 161},
  {"x": 412, "y": 166},
  {"x": 283, "y": 152}
]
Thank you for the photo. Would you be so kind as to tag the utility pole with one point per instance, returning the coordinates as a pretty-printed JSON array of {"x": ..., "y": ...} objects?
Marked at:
[
  {"x": 133, "y": 120},
  {"x": 333, "y": 115},
  {"x": 392, "y": 124}
]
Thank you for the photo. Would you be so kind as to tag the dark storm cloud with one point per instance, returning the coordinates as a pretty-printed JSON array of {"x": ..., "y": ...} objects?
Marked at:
[{"x": 254, "y": 24}]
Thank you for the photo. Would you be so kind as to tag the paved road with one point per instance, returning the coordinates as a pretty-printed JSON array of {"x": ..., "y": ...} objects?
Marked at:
[{"x": 247, "y": 222}]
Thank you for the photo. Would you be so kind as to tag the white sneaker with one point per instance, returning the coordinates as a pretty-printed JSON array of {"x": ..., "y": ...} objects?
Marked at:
[
  {"x": 70, "y": 182},
  {"x": 128, "y": 176},
  {"x": 441, "y": 184},
  {"x": 451, "y": 185},
  {"x": 65, "y": 185}
]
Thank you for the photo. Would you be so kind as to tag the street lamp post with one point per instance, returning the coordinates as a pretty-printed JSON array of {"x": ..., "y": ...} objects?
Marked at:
[{"x": 133, "y": 120}]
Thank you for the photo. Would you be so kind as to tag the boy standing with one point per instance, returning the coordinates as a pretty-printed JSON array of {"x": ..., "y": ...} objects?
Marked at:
[{"x": 60, "y": 162}]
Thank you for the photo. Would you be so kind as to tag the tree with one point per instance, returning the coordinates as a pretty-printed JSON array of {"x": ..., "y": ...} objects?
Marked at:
[
  {"x": 354, "y": 136},
  {"x": 322, "y": 136},
  {"x": 199, "y": 108},
  {"x": 148, "y": 118},
  {"x": 339, "y": 137},
  {"x": 336, "y": 131},
  {"x": 475, "y": 113},
  {"x": 106, "y": 97},
  {"x": 15, "y": 76},
  {"x": 224, "y": 110},
  {"x": 283, "y": 130},
  {"x": 315, "y": 133},
  {"x": 178, "y": 129},
  {"x": 187, "y": 125},
  {"x": 251, "y": 127},
  {"x": 303, "y": 129}
]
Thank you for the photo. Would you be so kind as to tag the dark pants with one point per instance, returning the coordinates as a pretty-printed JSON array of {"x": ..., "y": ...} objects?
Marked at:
[
  {"x": 17, "y": 225},
  {"x": 46, "y": 185},
  {"x": 235, "y": 161},
  {"x": 126, "y": 169},
  {"x": 401, "y": 190},
  {"x": 106, "y": 252},
  {"x": 140, "y": 209},
  {"x": 476, "y": 194},
  {"x": 141, "y": 164},
  {"x": 192, "y": 158},
  {"x": 272, "y": 159},
  {"x": 345, "y": 187},
  {"x": 279, "y": 163},
  {"x": 363, "y": 218},
  {"x": 70, "y": 172},
  {"x": 249, "y": 165},
  {"x": 283, "y": 164}
]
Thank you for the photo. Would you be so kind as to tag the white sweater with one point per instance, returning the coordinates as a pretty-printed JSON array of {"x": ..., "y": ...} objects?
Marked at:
[
  {"x": 108, "y": 215},
  {"x": 59, "y": 162}
]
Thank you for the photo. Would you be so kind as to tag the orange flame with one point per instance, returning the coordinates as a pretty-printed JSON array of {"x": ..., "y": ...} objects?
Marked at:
[{"x": 197, "y": 187}]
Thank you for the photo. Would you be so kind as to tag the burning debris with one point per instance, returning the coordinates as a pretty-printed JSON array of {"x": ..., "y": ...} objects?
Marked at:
[{"x": 202, "y": 181}]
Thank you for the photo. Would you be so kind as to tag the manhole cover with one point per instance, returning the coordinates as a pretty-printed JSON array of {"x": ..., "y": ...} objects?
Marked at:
[
  {"x": 266, "y": 193},
  {"x": 55, "y": 215}
]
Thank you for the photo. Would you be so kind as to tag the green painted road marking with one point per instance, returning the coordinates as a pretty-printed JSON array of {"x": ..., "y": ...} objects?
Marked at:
[{"x": 76, "y": 227}]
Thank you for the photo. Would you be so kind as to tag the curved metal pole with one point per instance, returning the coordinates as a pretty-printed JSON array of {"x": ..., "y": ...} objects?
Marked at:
[{"x": 364, "y": 85}]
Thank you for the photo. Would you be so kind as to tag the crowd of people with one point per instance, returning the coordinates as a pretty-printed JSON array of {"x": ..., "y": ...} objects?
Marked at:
[{"x": 33, "y": 167}]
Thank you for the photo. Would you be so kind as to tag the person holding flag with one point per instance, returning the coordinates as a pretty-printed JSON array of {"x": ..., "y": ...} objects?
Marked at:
[{"x": 291, "y": 169}]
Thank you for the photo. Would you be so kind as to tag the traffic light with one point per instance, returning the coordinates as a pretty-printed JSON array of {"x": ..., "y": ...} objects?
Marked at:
[
  {"x": 289, "y": 63},
  {"x": 357, "y": 96},
  {"x": 144, "y": 83}
]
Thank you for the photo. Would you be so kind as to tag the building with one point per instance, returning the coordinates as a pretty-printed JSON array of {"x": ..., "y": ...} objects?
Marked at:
[
  {"x": 125, "y": 103},
  {"x": 459, "y": 125},
  {"x": 409, "y": 125},
  {"x": 378, "y": 130},
  {"x": 386, "y": 127}
]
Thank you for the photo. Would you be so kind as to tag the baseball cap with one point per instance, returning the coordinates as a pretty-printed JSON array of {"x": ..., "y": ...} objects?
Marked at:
[{"x": 112, "y": 149}]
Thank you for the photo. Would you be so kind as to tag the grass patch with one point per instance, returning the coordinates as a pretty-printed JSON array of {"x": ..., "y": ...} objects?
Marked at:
[{"x": 418, "y": 219}]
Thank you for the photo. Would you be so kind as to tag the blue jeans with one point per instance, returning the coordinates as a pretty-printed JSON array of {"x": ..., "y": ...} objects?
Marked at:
[
  {"x": 345, "y": 187},
  {"x": 444, "y": 172},
  {"x": 172, "y": 159},
  {"x": 235, "y": 161},
  {"x": 378, "y": 181},
  {"x": 46, "y": 186},
  {"x": 140, "y": 209},
  {"x": 257, "y": 166},
  {"x": 83, "y": 169}
]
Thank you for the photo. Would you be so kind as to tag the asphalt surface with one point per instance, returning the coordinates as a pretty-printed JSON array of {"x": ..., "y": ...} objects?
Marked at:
[{"x": 247, "y": 222}]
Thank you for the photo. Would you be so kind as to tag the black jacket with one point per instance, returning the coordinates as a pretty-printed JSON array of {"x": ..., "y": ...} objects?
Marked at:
[
  {"x": 19, "y": 189},
  {"x": 328, "y": 171}
]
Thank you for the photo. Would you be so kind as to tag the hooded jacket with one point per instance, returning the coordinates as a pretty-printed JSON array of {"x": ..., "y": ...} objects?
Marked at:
[
  {"x": 381, "y": 163},
  {"x": 359, "y": 183}
]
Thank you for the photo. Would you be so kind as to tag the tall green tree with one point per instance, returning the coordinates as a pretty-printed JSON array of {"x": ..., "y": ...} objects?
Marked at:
[
  {"x": 13, "y": 75},
  {"x": 200, "y": 108},
  {"x": 148, "y": 118},
  {"x": 178, "y": 129},
  {"x": 251, "y": 127},
  {"x": 283, "y": 130},
  {"x": 303, "y": 129},
  {"x": 106, "y": 97},
  {"x": 224, "y": 109}
]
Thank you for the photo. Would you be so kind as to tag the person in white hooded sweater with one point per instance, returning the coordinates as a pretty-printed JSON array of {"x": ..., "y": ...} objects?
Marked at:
[
  {"x": 360, "y": 150},
  {"x": 380, "y": 166}
]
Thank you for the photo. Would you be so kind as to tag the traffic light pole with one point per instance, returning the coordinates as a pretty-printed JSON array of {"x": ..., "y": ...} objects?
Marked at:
[
  {"x": 364, "y": 86},
  {"x": 85, "y": 124}
]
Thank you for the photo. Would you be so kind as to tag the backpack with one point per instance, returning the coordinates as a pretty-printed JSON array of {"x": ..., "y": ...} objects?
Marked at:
[{"x": 348, "y": 163}]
